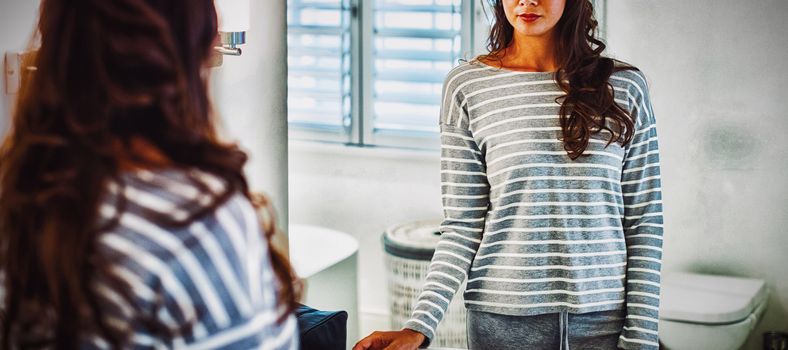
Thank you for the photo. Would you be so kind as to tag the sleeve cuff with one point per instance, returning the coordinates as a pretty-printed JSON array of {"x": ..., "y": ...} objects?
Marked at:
[{"x": 418, "y": 327}]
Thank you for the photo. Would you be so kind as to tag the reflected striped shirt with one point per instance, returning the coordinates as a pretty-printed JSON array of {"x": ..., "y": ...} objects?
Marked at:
[
  {"x": 206, "y": 285},
  {"x": 527, "y": 229}
]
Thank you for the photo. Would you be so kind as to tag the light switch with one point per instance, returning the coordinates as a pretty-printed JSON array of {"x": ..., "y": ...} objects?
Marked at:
[
  {"x": 14, "y": 68},
  {"x": 12, "y": 75}
]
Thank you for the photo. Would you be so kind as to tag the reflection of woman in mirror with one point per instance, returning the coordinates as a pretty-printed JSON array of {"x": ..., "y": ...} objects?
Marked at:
[
  {"x": 551, "y": 192},
  {"x": 124, "y": 222}
]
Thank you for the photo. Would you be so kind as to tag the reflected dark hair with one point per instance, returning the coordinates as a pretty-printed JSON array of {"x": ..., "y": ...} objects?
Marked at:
[
  {"x": 588, "y": 105},
  {"x": 107, "y": 72}
]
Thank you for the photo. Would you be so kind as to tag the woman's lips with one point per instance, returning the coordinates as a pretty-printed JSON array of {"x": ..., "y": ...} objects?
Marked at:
[{"x": 529, "y": 17}]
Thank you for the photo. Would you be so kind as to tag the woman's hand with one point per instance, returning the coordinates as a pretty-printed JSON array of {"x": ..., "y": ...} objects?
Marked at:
[{"x": 405, "y": 339}]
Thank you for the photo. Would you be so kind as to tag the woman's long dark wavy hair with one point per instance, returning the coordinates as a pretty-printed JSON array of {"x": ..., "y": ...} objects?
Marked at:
[
  {"x": 107, "y": 72},
  {"x": 588, "y": 105}
]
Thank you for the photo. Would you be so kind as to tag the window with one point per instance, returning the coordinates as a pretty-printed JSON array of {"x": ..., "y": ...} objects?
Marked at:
[{"x": 370, "y": 72}]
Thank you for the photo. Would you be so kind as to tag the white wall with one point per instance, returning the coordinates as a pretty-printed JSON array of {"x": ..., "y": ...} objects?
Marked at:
[
  {"x": 250, "y": 95},
  {"x": 363, "y": 192},
  {"x": 719, "y": 80}
]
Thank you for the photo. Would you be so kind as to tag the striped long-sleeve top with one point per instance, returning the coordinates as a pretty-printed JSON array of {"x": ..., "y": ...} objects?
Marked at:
[
  {"x": 531, "y": 230},
  {"x": 207, "y": 285}
]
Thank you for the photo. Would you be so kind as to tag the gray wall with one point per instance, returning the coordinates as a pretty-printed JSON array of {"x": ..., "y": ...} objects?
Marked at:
[{"x": 719, "y": 81}]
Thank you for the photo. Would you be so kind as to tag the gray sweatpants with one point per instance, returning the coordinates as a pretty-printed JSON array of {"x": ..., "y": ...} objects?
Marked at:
[{"x": 557, "y": 331}]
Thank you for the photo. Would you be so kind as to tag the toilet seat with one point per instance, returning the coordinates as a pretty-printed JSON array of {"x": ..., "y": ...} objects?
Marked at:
[
  {"x": 706, "y": 312},
  {"x": 709, "y": 299}
]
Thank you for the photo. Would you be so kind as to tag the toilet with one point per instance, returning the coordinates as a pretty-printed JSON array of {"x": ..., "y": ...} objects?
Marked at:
[{"x": 700, "y": 312}]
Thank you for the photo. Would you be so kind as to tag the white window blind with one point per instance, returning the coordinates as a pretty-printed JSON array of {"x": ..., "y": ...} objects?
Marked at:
[
  {"x": 319, "y": 57},
  {"x": 416, "y": 42}
]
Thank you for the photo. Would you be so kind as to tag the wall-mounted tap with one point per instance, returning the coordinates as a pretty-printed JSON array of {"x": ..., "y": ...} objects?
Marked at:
[{"x": 233, "y": 25}]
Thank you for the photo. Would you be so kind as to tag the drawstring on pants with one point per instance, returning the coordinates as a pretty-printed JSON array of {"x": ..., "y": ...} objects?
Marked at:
[{"x": 563, "y": 326}]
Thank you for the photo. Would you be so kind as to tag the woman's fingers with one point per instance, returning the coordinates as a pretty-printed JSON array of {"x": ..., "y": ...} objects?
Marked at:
[
  {"x": 374, "y": 341},
  {"x": 397, "y": 340},
  {"x": 396, "y": 345}
]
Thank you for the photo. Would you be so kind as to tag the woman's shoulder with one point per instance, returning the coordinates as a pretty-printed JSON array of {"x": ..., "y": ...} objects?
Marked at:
[
  {"x": 632, "y": 88},
  {"x": 462, "y": 66},
  {"x": 159, "y": 222},
  {"x": 628, "y": 76},
  {"x": 209, "y": 259},
  {"x": 466, "y": 70},
  {"x": 170, "y": 194},
  {"x": 161, "y": 209}
]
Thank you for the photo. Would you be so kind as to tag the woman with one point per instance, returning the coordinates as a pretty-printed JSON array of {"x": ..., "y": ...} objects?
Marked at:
[
  {"x": 551, "y": 193},
  {"x": 124, "y": 222}
]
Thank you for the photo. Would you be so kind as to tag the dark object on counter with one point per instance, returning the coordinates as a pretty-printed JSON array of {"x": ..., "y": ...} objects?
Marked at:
[
  {"x": 775, "y": 341},
  {"x": 321, "y": 330}
]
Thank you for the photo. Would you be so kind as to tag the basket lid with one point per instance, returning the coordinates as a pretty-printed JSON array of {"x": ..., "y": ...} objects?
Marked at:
[
  {"x": 414, "y": 240},
  {"x": 709, "y": 299}
]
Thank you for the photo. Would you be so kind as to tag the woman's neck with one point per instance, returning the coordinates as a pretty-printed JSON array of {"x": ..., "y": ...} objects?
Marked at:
[{"x": 530, "y": 53}]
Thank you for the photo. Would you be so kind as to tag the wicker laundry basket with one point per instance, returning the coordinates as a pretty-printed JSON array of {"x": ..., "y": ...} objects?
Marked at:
[{"x": 409, "y": 248}]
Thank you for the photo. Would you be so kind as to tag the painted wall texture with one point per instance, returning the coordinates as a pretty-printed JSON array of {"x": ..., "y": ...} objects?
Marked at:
[{"x": 719, "y": 83}]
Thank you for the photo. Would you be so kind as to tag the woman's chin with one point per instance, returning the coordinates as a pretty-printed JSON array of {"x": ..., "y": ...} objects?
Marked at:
[{"x": 530, "y": 31}]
